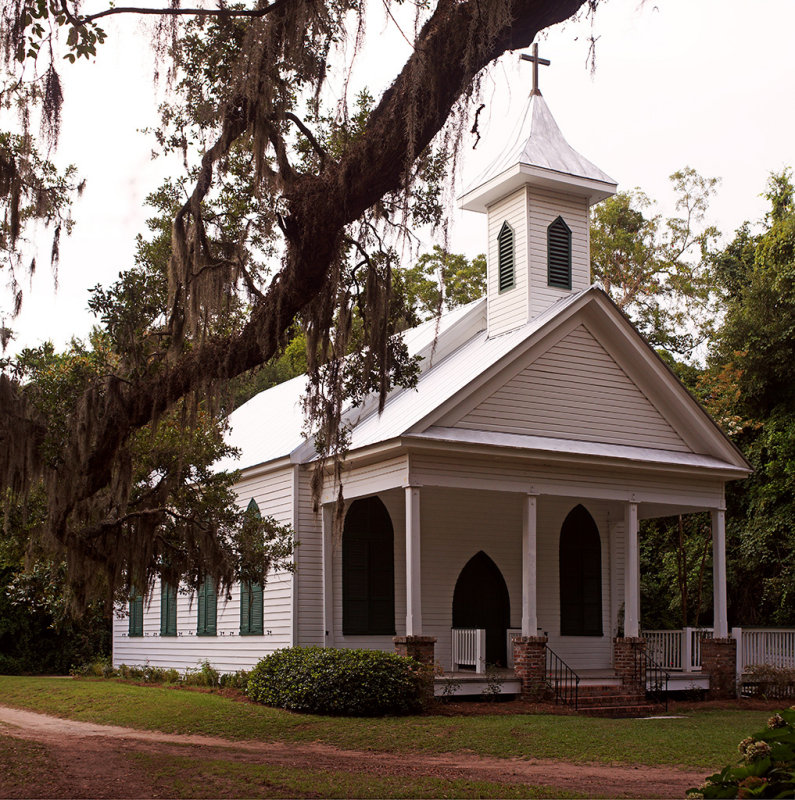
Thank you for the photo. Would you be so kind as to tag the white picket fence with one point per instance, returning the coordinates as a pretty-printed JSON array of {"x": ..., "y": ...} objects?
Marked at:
[
  {"x": 680, "y": 650},
  {"x": 469, "y": 648}
]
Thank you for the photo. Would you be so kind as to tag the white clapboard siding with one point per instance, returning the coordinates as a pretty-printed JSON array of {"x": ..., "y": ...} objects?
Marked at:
[
  {"x": 545, "y": 208},
  {"x": 228, "y": 651},
  {"x": 575, "y": 390},
  {"x": 507, "y": 310}
]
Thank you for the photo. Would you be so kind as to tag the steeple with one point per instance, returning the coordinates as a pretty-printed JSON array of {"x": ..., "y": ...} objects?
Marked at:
[{"x": 537, "y": 196}]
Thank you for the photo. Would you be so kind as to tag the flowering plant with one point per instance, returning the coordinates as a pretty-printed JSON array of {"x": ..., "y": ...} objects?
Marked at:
[{"x": 767, "y": 767}]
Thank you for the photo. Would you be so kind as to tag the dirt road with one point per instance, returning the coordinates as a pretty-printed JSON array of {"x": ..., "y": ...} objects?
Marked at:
[{"x": 71, "y": 759}]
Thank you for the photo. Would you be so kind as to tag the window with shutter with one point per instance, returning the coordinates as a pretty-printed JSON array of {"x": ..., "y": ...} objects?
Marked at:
[
  {"x": 505, "y": 258},
  {"x": 168, "y": 609},
  {"x": 580, "y": 565},
  {"x": 208, "y": 609},
  {"x": 559, "y": 254},
  {"x": 251, "y": 610},
  {"x": 368, "y": 570},
  {"x": 136, "y": 615}
]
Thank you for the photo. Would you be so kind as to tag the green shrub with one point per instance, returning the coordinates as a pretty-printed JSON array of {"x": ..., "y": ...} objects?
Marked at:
[
  {"x": 767, "y": 766},
  {"x": 206, "y": 675},
  {"x": 341, "y": 682}
]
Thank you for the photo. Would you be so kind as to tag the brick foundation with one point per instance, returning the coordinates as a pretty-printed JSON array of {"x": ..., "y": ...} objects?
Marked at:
[
  {"x": 719, "y": 660},
  {"x": 530, "y": 664},
  {"x": 418, "y": 647},
  {"x": 626, "y": 664}
]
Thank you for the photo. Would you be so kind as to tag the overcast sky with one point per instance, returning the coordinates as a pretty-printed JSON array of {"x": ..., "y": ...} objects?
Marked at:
[{"x": 704, "y": 83}]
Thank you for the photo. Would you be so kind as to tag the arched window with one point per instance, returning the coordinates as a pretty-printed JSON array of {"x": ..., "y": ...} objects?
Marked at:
[
  {"x": 368, "y": 570},
  {"x": 580, "y": 575},
  {"x": 559, "y": 254},
  {"x": 505, "y": 257},
  {"x": 251, "y": 599}
]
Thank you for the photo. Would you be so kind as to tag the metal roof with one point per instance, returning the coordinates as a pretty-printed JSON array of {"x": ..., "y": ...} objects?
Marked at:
[
  {"x": 270, "y": 425},
  {"x": 542, "y": 156}
]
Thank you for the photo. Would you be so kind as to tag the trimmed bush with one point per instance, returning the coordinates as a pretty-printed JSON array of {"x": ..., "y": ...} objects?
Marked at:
[{"x": 354, "y": 683}]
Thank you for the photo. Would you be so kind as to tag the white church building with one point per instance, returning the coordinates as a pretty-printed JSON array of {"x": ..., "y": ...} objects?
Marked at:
[{"x": 502, "y": 494}]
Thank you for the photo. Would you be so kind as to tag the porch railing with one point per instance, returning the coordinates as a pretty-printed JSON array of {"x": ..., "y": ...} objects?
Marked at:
[
  {"x": 678, "y": 650},
  {"x": 772, "y": 646},
  {"x": 562, "y": 679},
  {"x": 469, "y": 648}
]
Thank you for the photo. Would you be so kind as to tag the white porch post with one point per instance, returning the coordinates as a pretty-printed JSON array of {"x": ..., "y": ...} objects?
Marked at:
[
  {"x": 529, "y": 571},
  {"x": 327, "y": 522},
  {"x": 720, "y": 622},
  {"x": 632, "y": 574},
  {"x": 413, "y": 577}
]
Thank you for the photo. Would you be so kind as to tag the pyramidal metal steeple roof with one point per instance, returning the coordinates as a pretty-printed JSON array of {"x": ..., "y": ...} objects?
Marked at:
[{"x": 543, "y": 158}]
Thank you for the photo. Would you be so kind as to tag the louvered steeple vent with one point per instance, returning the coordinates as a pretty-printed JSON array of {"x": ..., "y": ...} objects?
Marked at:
[{"x": 537, "y": 198}]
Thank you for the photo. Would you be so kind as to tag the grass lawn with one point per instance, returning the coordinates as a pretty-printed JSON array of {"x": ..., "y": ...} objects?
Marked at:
[
  {"x": 702, "y": 739},
  {"x": 183, "y": 776}
]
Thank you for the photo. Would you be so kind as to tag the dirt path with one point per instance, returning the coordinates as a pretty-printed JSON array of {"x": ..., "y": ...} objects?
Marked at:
[{"x": 89, "y": 760}]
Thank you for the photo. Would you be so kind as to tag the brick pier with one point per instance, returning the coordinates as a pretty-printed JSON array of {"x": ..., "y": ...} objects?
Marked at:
[
  {"x": 419, "y": 647},
  {"x": 719, "y": 661},
  {"x": 530, "y": 664}
]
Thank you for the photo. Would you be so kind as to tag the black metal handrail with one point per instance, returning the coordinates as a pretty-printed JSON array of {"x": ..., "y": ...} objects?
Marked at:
[
  {"x": 562, "y": 679},
  {"x": 653, "y": 677}
]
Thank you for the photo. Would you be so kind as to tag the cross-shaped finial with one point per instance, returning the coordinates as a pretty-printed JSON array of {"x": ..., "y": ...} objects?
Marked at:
[{"x": 536, "y": 61}]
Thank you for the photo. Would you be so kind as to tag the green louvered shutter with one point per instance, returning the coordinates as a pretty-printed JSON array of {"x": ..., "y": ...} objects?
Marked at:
[
  {"x": 245, "y": 609},
  {"x": 251, "y": 610},
  {"x": 559, "y": 254},
  {"x": 208, "y": 609},
  {"x": 136, "y": 615},
  {"x": 505, "y": 258},
  {"x": 168, "y": 610}
]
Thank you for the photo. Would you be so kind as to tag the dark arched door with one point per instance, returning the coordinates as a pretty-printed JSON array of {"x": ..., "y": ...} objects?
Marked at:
[
  {"x": 481, "y": 600},
  {"x": 580, "y": 575}
]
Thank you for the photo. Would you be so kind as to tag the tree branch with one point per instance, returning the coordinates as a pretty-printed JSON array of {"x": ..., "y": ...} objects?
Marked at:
[{"x": 225, "y": 13}]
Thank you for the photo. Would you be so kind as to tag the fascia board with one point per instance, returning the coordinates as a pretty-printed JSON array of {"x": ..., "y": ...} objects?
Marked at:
[
  {"x": 418, "y": 443},
  {"x": 513, "y": 178},
  {"x": 257, "y": 470}
]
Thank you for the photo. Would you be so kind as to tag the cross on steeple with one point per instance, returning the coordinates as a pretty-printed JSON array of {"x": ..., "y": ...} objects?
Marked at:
[{"x": 536, "y": 61}]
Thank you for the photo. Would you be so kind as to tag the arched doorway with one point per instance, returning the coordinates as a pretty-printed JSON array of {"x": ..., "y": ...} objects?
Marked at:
[
  {"x": 368, "y": 570},
  {"x": 580, "y": 563},
  {"x": 481, "y": 600}
]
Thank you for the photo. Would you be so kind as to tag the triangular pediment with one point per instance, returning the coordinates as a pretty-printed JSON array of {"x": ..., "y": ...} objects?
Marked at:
[{"x": 577, "y": 390}]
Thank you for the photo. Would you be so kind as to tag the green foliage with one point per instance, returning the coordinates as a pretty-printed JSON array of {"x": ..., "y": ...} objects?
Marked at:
[
  {"x": 767, "y": 767},
  {"x": 441, "y": 281},
  {"x": 339, "y": 682},
  {"x": 204, "y": 676},
  {"x": 655, "y": 269}
]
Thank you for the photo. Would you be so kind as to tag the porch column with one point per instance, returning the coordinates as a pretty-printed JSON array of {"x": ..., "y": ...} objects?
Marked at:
[
  {"x": 327, "y": 522},
  {"x": 529, "y": 571},
  {"x": 632, "y": 575},
  {"x": 720, "y": 621},
  {"x": 413, "y": 578}
]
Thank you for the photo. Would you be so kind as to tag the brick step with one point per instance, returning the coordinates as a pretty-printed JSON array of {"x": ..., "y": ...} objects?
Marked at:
[
  {"x": 637, "y": 710},
  {"x": 605, "y": 701},
  {"x": 602, "y": 690}
]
